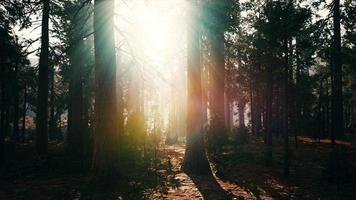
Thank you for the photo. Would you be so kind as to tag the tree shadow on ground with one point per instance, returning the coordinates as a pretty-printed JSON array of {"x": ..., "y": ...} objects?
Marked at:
[
  {"x": 244, "y": 171},
  {"x": 209, "y": 188}
]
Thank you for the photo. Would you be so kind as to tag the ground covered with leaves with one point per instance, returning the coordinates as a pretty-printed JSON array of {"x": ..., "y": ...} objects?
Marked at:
[{"x": 318, "y": 171}]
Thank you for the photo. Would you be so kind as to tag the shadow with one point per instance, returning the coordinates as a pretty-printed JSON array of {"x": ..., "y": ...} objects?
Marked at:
[
  {"x": 252, "y": 180},
  {"x": 209, "y": 187}
]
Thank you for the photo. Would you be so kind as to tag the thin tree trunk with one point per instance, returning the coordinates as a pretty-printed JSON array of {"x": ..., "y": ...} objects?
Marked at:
[
  {"x": 268, "y": 124},
  {"x": 320, "y": 110},
  {"x": 2, "y": 114},
  {"x": 52, "y": 121},
  {"x": 298, "y": 99},
  {"x": 241, "y": 107},
  {"x": 16, "y": 107},
  {"x": 286, "y": 109},
  {"x": 24, "y": 111},
  {"x": 252, "y": 106},
  {"x": 43, "y": 81}
]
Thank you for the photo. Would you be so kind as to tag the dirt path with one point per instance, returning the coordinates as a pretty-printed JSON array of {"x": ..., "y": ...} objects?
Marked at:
[{"x": 200, "y": 187}]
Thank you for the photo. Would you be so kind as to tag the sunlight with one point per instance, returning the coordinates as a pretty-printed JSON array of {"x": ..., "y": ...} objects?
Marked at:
[{"x": 151, "y": 37}]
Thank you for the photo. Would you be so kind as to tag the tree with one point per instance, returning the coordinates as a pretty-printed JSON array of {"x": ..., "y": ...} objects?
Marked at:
[
  {"x": 195, "y": 160},
  {"x": 77, "y": 23},
  {"x": 337, "y": 120},
  {"x": 106, "y": 135},
  {"x": 43, "y": 84}
]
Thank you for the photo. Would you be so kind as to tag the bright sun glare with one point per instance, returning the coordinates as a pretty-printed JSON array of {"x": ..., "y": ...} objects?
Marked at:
[{"x": 151, "y": 37}]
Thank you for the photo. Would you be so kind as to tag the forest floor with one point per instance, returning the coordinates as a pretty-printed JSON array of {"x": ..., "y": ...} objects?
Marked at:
[{"x": 238, "y": 172}]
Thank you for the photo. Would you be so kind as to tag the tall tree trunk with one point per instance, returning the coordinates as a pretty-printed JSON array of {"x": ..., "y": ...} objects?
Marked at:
[
  {"x": 252, "y": 101},
  {"x": 2, "y": 113},
  {"x": 268, "y": 124},
  {"x": 107, "y": 136},
  {"x": 52, "y": 120},
  {"x": 43, "y": 81},
  {"x": 286, "y": 109},
  {"x": 258, "y": 114},
  {"x": 24, "y": 111},
  {"x": 320, "y": 109},
  {"x": 298, "y": 105},
  {"x": 217, "y": 67},
  {"x": 75, "y": 136},
  {"x": 16, "y": 107},
  {"x": 337, "y": 124},
  {"x": 195, "y": 160},
  {"x": 241, "y": 106}
]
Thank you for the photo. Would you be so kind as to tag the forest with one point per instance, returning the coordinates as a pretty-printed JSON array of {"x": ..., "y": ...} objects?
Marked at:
[{"x": 177, "y": 99}]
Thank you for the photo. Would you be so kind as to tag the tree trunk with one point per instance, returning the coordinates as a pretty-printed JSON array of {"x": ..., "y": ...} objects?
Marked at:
[
  {"x": 320, "y": 110},
  {"x": 195, "y": 160},
  {"x": 75, "y": 136},
  {"x": 106, "y": 137},
  {"x": 24, "y": 111},
  {"x": 2, "y": 114},
  {"x": 298, "y": 114},
  {"x": 268, "y": 124},
  {"x": 252, "y": 102},
  {"x": 337, "y": 124},
  {"x": 43, "y": 81},
  {"x": 16, "y": 106},
  {"x": 217, "y": 68},
  {"x": 52, "y": 120},
  {"x": 286, "y": 109},
  {"x": 241, "y": 107}
]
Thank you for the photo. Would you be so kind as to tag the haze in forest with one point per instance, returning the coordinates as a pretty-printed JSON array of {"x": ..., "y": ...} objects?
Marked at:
[{"x": 177, "y": 99}]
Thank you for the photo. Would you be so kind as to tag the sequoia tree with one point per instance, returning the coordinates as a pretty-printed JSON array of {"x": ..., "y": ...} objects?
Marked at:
[
  {"x": 195, "y": 160},
  {"x": 106, "y": 134}
]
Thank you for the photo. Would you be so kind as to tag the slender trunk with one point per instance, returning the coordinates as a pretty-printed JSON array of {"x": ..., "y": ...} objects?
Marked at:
[
  {"x": 320, "y": 110},
  {"x": 258, "y": 113},
  {"x": 328, "y": 109},
  {"x": 337, "y": 124},
  {"x": 16, "y": 107},
  {"x": 268, "y": 124},
  {"x": 286, "y": 109},
  {"x": 52, "y": 120},
  {"x": 2, "y": 114},
  {"x": 43, "y": 81},
  {"x": 195, "y": 160},
  {"x": 24, "y": 111},
  {"x": 298, "y": 114},
  {"x": 252, "y": 106},
  {"x": 269, "y": 106},
  {"x": 241, "y": 107},
  {"x": 107, "y": 135}
]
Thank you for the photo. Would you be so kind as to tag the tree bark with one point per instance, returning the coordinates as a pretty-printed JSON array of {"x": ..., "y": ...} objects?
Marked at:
[
  {"x": 16, "y": 106},
  {"x": 24, "y": 111},
  {"x": 2, "y": 113},
  {"x": 217, "y": 67},
  {"x": 286, "y": 109},
  {"x": 268, "y": 117},
  {"x": 241, "y": 107},
  {"x": 52, "y": 120},
  {"x": 195, "y": 160},
  {"x": 106, "y": 137},
  {"x": 75, "y": 136},
  {"x": 337, "y": 124},
  {"x": 43, "y": 81}
]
